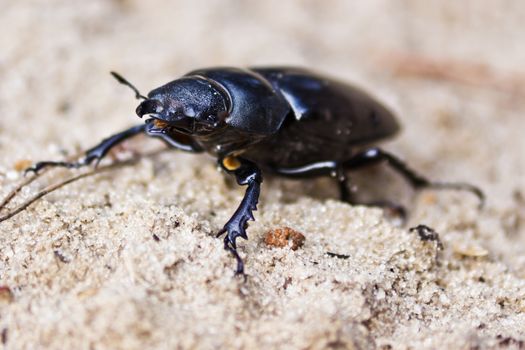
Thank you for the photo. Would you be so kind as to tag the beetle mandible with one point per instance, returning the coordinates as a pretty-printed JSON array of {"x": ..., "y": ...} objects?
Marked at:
[{"x": 287, "y": 121}]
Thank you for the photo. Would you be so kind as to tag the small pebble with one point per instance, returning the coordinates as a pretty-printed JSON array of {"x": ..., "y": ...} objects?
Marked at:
[
  {"x": 6, "y": 295},
  {"x": 281, "y": 237},
  {"x": 470, "y": 251},
  {"x": 22, "y": 164}
]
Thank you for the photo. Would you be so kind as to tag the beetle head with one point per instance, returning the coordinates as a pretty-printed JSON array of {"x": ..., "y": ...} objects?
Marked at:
[{"x": 190, "y": 105}]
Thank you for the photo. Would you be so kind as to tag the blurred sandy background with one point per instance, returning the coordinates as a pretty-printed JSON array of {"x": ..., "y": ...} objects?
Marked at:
[{"x": 127, "y": 259}]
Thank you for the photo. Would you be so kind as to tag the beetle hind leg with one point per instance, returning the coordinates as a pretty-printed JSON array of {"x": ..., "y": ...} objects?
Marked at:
[
  {"x": 369, "y": 157},
  {"x": 338, "y": 170},
  {"x": 375, "y": 155}
]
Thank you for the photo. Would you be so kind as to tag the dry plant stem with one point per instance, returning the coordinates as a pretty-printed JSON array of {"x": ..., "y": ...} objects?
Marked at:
[
  {"x": 58, "y": 185},
  {"x": 45, "y": 191},
  {"x": 17, "y": 189},
  {"x": 26, "y": 182}
]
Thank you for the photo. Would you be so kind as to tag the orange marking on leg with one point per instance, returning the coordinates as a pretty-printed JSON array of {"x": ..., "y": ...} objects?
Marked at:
[{"x": 231, "y": 163}]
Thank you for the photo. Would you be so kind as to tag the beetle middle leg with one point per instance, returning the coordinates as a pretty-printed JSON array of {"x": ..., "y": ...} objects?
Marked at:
[
  {"x": 346, "y": 196},
  {"x": 246, "y": 173},
  {"x": 338, "y": 170},
  {"x": 326, "y": 168}
]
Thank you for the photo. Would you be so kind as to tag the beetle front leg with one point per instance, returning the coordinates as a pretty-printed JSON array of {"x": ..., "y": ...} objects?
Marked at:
[
  {"x": 246, "y": 173},
  {"x": 93, "y": 154}
]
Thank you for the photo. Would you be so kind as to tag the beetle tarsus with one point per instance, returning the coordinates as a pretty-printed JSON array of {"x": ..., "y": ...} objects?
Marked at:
[
  {"x": 229, "y": 246},
  {"x": 246, "y": 173},
  {"x": 236, "y": 226},
  {"x": 45, "y": 164}
]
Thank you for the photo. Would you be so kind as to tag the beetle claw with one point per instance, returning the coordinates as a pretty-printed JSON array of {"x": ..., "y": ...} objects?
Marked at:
[
  {"x": 32, "y": 169},
  {"x": 221, "y": 232},
  {"x": 232, "y": 248},
  {"x": 235, "y": 228},
  {"x": 41, "y": 165},
  {"x": 88, "y": 159}
]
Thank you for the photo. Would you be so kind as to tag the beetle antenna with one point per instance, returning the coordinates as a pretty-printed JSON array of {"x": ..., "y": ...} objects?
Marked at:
[{"x": 123, "y": 81}]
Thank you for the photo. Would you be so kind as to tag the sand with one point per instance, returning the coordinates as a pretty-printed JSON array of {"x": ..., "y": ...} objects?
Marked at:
[{"x": 128, "y": 259}]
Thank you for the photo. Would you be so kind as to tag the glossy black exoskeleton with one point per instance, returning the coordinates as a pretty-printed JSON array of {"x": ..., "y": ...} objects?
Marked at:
[{"x": 286, "y": 121}]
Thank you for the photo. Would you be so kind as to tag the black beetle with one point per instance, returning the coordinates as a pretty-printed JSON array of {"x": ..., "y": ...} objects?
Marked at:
[{"x": 287, "y": 121}]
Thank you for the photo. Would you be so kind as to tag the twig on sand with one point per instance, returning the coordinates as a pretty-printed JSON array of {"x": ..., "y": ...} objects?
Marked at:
[
  {"x": 26, "y": 182},
  {"x": 18, "y": 188},
  {"x": 60, "y": 184}
]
